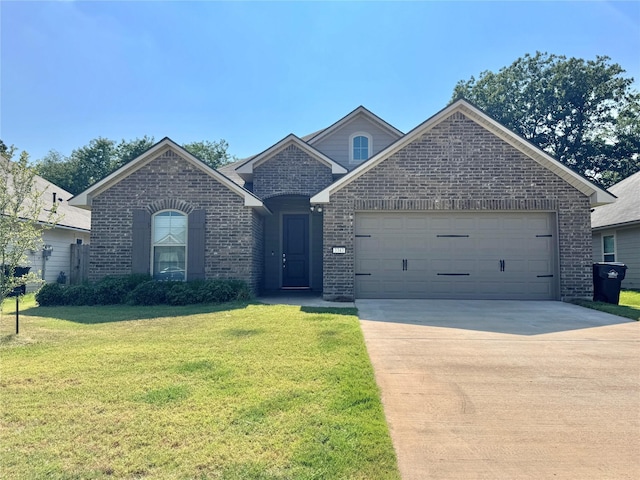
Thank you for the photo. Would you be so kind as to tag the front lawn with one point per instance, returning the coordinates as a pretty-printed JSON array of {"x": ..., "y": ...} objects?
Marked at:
[
  {"x": 629, "y": 306},
  {"x": 238, "y": 391}
]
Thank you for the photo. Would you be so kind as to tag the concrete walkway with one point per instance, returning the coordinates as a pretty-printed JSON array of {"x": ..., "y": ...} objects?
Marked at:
[{"x": 507, "y": 390}]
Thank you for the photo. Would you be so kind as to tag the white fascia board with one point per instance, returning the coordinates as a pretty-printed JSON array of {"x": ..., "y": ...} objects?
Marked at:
[
  {"x": 596, "y": 195},
  {"x": 614, "y": 226},
  {"x": 84, "y": 199},
  {"x": 324, "y": 195},
  {"x": 246, "y": 170},
  {"x": 350, "y": 116}
]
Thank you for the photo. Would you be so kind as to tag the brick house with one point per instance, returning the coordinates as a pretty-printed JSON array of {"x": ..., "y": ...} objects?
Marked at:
[{"x": 459, "y": 207}]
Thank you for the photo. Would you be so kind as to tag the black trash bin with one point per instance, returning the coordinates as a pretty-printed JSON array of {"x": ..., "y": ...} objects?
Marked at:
[{"x": 607, "y": 277}]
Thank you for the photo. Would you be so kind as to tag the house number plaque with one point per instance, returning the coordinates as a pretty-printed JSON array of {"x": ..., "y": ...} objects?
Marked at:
[{"x": 339, "y": 250}]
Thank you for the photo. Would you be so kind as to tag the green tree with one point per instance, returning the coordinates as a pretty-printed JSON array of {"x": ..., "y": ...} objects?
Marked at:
[
  {"x": 128, "y": 150},
  {"x": 91, "y": 163},
  {"x": 22, "y": 218},
  {"x": 102, "y": 156},
  {"x": 213, "y": 154},
  {"x": 584, "y": 113},
  {"x": 56, "y": 168}
]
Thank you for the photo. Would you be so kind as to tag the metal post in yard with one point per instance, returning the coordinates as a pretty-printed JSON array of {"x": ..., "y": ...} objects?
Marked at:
[{"x": 17, "y": 316}]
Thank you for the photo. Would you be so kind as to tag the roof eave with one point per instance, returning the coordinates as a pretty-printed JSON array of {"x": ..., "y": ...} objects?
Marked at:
[
  {"x": 597, "y": 196},
  {"x": 616, "y": 225},
  {"x": 245, "y": 171},
  {"x": 348, "y": 117},
  {"x": 84, "y": 199}
]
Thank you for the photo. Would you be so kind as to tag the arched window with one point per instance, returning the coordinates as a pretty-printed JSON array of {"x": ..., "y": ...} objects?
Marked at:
[
  {"x": 360, "y": 147},
  {"x": 169, "y": 245}
]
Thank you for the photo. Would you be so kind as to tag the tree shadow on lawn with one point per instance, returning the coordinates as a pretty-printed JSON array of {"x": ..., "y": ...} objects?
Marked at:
[{"x": 89, "y": 315}]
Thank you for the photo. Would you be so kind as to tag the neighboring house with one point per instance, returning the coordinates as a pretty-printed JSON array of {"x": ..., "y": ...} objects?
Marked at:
[
  {"x": 459, "y": 207},
  {"x": 73, "y": 227},
  {"x": 616, "y": 230}
]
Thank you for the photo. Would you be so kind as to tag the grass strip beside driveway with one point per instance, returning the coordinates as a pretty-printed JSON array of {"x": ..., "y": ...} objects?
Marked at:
[
  {"x": 241, "y": 391},
  {"x": 629, "y": 306}
]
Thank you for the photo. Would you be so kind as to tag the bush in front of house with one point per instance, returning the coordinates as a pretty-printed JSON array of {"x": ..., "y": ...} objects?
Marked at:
[
  {"x": 114, "y": 290},
  {"x": 149, "y": 293},
  {"x": 220, "y": 291},
  {"x": 140, "y": 290},
  {"x": 77, "y": 295},
  {"x": 50, "y": 295}
]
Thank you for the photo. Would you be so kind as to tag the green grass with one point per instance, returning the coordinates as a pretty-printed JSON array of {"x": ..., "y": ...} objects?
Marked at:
[
  {"x": 239, "y": 391},
  {"x": 629, "y": 306}
]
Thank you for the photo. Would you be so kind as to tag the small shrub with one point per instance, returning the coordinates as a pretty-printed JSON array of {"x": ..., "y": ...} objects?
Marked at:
[
  {"x": 50, "y": 295},
  {"x": 149, "y": 293},
  {"x": 114, "y": 290},
  {"x": 181, "y": 294},
  {"x": 111, "y": 290},
  {"x": 220, "y": 291},
  {"x": 77, "y": 295},
  {"x": 141, "y": 290},
  {"x": 241, "y": 290}
]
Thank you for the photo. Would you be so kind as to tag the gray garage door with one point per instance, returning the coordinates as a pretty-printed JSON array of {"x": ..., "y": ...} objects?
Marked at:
[{"x": 488, "y": 255}]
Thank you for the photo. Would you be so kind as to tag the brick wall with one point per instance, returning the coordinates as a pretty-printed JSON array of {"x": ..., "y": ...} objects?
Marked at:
[
  {"x": 458, "y": 165},
  {"x": 290, "y": 172},
  {"x": 169, "y": 181}
]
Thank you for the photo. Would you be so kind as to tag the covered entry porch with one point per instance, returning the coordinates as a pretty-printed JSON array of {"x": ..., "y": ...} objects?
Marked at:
[{"x": 292, "y": 245}]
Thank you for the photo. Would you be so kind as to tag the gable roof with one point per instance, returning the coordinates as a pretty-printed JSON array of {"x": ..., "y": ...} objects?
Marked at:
[
  {"x": 229, "y": 170},
  {"x": 626, "y": 209},
  {"x": 85, "y": 198},
  {"x": 360, "y": 111},
  {"x": 245, "y": 170},
  {"x": 597, "y": 195},
  {"x": 70, "y": 217}
]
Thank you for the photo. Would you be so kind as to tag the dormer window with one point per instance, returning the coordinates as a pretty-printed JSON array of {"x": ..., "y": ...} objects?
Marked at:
[{"x": 361, "y": 146}]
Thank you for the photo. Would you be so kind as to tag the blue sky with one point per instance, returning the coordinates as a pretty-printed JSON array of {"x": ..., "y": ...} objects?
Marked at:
[{"x": 253, "y": 72}]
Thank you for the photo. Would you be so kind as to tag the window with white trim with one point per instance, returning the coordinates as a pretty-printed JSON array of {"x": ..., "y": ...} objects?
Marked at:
[
  {"x": 360, "y": 145},
  {"x": 609, "y": 248},
  {"x": 169, "y": 245}
]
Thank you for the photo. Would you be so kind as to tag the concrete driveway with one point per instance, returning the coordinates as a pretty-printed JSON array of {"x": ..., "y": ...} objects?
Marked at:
[{"x": 505, "y": 389}]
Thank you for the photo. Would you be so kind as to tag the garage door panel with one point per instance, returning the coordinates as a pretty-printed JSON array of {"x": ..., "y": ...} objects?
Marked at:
[{"x": 456, "y": 255}]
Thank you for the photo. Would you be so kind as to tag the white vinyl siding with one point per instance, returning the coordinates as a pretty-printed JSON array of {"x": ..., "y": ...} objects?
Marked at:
[{"x": 60, "y": 240}]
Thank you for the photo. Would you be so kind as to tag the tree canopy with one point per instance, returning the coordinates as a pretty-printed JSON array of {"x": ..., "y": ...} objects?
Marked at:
[
  {"x": 585, "y": 113},
  {"x": 90, "y": 163}
]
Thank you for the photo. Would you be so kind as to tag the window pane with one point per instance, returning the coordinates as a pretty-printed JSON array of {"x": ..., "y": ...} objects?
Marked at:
[
  {"x": 609, "y": 244},
  {"x": 360, "y": 148},
  {"x": 170, "y": 228},
  {"x": 169, "y": 263},
  {"x": 609, "y": 258},
  {"x": 169, "y": 246}
]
